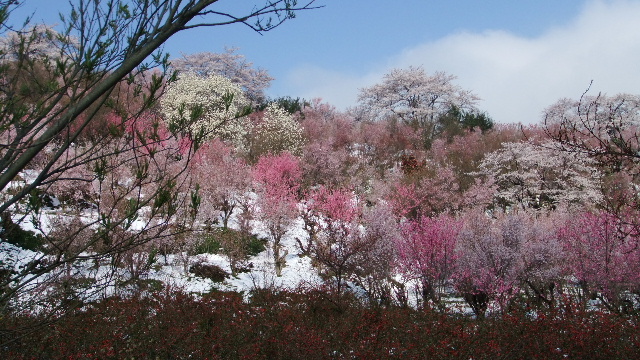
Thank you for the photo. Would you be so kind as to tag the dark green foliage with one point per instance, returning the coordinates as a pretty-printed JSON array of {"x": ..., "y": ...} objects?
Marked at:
[
  {"x": 209, "y": 271},
  {"x": 226, "y": 240},
  {"x": 209, "y": 243},
  {"x": 456, "y": 121},
  {"x": 14, "y": 234},
  {"x": 254, "y": 245},
  {"x": 150, "y": 285},
  {"x": 289, "y": 104}
]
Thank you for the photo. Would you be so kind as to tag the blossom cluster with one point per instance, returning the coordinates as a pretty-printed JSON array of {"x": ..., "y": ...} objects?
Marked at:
[
  {"x": 278, "y": 131},
  {"x": 205, "y": 107}
]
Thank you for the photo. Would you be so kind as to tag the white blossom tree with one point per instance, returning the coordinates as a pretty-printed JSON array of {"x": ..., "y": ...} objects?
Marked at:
[
  {"x": 603, "y": 127},
  {"x": 415, "y": 97},
  {"x": 206, "y": 107},
  {"x": 276, "y": 131},
  {"x": 607, "y": 130},
  {"x": 540, "y": 176}
]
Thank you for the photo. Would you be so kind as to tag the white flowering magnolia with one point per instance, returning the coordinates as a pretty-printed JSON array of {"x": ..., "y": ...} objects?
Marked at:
[
  {"x": 539, "y": 176},
  {"x": 278, "y": 131},
  {"x": 205, "y": 107}
]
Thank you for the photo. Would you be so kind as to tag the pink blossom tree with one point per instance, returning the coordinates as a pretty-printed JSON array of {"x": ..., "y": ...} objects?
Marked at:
[
  {"x": 336, "y": 238},
  {"x": 508, "y": 255},
  {"x": 375, "y": 271},
  {"x": 328, "y": 156},
  {"x": 426, "y": 252},
  {"x": 277, "y": 178},
  {"x": 223, "y": 180},
  {"x": 324, "y": 165},
  {"x": 603, "y": 254},
  {"x": 427, "y": 193},
  {"x": 487, "y": 264},
  {"x": 542, "y": 271},
  {"x": 351, "y": 243},
  {"x": 464, "y": 153}
]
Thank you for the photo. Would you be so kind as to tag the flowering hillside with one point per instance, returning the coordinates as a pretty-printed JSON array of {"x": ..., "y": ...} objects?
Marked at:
[{"x": 412, "y": 217}]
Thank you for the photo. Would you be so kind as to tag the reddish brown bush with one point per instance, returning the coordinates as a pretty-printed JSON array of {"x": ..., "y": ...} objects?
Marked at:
[{"x": 297, "y": 325}]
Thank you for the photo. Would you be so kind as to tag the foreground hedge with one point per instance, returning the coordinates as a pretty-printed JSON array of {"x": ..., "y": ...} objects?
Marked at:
[{"x": 309, "y": 326}]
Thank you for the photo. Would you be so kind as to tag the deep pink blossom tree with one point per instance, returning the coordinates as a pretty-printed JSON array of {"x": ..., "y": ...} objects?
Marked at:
[
  {"x": 426, "y": 252},
  {"x": 277, "y": 178}
]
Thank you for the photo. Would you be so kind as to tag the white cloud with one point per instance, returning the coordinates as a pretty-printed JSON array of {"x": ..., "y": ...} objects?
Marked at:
[{"x": 516, "y": 77}]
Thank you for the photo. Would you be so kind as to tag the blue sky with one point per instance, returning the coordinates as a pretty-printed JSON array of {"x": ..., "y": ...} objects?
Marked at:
[{"x": 518, "y": 56}]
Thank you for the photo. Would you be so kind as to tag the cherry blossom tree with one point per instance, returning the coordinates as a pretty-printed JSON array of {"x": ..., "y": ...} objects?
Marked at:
[
  {"x": 278, "y": 180},
  {"x": 427, "y": 192},
  {"x": 374, "y": 271},
  {"x": 464, "y": 153},
  {"x": 605, "y": 129},
  {"x": 336, "y": 237},
  {"x": 415, "y": 98},
  {"x": 323, "y": 165},
  {"x": 488, "y": 264},
  {"x": 323, "y": 123},
  {"x": 381, "y": 144},
  {"x": 230, "y": 65},
  {"x": 509, "y": 255},
  {"x": 602, "y": 127},
  {"x": 542, "y": 274},
  {"x": 539, "y": 176}
]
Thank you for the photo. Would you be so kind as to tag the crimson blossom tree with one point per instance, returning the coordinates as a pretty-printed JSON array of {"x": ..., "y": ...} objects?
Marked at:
[{"x": 278, "y": 179}]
